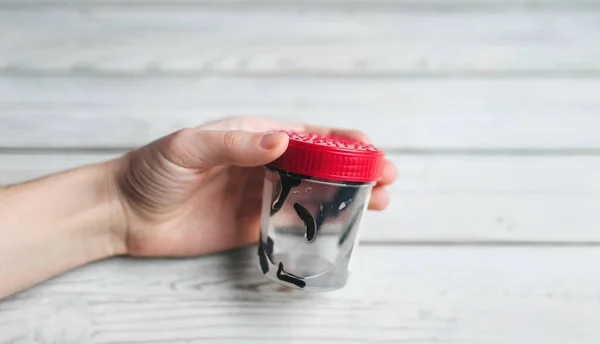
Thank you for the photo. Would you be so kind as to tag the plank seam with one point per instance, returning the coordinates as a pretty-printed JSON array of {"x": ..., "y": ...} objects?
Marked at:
[
  {"x": 17, "y": 72},
  {"x": 375, "y": 5}
]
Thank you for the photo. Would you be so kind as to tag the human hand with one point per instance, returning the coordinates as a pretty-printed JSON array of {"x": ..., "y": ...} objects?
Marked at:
[{"x": 199, "y": 190}]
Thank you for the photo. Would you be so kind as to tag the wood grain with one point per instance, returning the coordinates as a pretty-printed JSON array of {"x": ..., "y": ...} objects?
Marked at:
[
  {"x": 433, "y": 5},
  {"x": 423, "y": 295},
  {"x": 311, "y": 43},
  {"x": 449, "y": 199},
  {"x": 414, "y": 114},
  {"x": 492, "y": 226}
]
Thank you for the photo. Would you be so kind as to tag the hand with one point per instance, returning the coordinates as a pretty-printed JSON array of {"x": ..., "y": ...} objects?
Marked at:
[{"x": 199, "y": 190}]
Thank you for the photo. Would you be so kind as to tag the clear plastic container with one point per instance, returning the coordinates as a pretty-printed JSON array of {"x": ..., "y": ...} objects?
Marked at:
[{"x": 310, "y": 224}]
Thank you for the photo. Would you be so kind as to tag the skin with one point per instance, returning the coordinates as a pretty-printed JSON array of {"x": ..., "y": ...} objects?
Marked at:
[{"x": 196, "y": 191}]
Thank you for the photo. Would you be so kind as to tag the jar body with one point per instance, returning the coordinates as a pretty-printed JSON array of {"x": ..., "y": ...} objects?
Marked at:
[{"x": 309, "y": 229}]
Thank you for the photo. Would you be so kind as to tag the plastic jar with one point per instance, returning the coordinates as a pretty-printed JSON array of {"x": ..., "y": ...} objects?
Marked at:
[{"x": 313, "y": 199}]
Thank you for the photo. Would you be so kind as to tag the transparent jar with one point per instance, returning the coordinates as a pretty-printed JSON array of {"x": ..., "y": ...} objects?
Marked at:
[{"x": 310, "y": 224}]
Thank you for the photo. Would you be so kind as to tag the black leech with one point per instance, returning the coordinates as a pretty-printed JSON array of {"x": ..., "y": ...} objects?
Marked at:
[
  {"x": 287, "y": 183},
  {"x": 269, "y": 248},
  {"x": 265, "y": 253},
  {"x": 343, "y": 196},
  {"x": 289, "y": 278},
  {"x": 262, "y": 258},
  {"x": 309, "y": 222},
  {"x": 321, "y": 215},
  {"x": 350, "y": 227},
  {"x": 332, "y": 208}
]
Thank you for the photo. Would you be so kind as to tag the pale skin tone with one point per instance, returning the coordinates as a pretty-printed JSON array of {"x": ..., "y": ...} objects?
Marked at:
[{"x": 194, "y": 192}]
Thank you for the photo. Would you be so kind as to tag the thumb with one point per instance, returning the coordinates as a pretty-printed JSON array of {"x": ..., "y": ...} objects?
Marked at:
[{"x": 203, "y": 149}]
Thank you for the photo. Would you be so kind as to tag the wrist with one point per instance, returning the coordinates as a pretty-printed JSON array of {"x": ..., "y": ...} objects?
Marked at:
[{"x": 57, "y": 223}]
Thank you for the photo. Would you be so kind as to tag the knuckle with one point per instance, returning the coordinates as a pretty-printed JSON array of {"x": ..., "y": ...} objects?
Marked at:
[
  {"x": 179, "y": 148},
  {"x": 231, "y": 140},
  {"x": 359, "y": 134},
  {"x": 184, "y": 135}
]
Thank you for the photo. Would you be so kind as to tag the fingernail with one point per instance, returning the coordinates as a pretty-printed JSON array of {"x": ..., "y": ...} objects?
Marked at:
[{"x": 270, "y": 140}]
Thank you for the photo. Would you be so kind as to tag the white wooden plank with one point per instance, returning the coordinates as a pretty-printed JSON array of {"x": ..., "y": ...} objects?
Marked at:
[
  {"x": 449, "y": 198},
  {"x": 522, "y": 113},
  {"x": 313, "y": 42},
  {"x": 23, "y": 167},
  {"x": 410, "y": 4},
  {"x": 423, "y": 295},
  {"x": 480, "y": 199}
]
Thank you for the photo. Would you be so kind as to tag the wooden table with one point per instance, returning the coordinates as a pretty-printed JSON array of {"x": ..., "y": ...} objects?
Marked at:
[{"x": 491, "y": 110}]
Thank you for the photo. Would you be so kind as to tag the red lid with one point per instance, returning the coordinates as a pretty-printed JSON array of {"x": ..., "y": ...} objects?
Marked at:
[{"x": 331, "y": 157}]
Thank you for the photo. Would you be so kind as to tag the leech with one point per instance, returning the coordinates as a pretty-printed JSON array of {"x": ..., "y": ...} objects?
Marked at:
[
  {"x": 333, "y": 208},
  {"x": 265, "y": 253},
  {"x": 262, "y": 258},
  {"x": 289, "y": 278},
  {"x": 309, "y": 222},
  {"x": 321, "y": 215},
  {"x": 269, "y": 248},
  {"x": 341, "y": 200},
  {"x": 287, "y": 183},
  {"x": 350, "y": 227}
]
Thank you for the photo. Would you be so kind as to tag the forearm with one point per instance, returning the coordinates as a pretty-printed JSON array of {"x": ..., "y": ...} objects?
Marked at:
[{"x": 57, "y": 223}]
